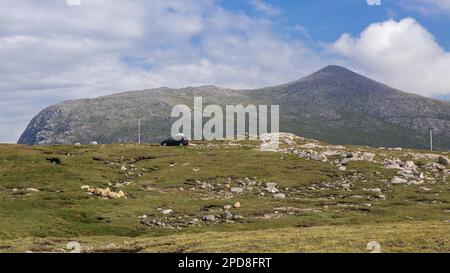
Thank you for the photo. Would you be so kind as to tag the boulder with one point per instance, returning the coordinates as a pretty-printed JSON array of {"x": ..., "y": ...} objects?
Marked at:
[
  {"x": 373, "y": 190},
  {"x": 367, "y": 157},
  {"x": 433, "y": 166},
  {"x": 398, "y": 180},
  {"x": 227, "y": 215},
  {"x": 392, "y": 164},
  {"x": 409, "y": 166},
  {"x": 209, "y": 218},
  {"x": 271, "y": 187},
  {"x": 237, "y": 205},
  {"x": 113, "y": 195},
  {"x": 319, "y": 157},
  {"x": 236, "y": 190},
  {"x": 279, "y": 196},
  {"x": 105, "y": 192},
  {"x": 444, "y": 161}
]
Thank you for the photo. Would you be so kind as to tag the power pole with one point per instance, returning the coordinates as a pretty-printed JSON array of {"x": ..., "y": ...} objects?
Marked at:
[
  {"x": 431, "y": 139},
  {"x": 139, "y": 131}
]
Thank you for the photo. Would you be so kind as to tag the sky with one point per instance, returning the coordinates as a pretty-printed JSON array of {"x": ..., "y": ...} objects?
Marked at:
[{"x": 55, "y": 50}]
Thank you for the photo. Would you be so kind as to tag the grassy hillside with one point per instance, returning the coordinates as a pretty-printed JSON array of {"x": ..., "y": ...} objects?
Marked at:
[{"x": 331, "y": 206}]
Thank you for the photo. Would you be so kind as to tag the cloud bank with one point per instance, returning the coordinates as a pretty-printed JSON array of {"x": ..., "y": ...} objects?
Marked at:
[
  {"x": 52, "y": 51},
  {"x": 401, "y": 53}
]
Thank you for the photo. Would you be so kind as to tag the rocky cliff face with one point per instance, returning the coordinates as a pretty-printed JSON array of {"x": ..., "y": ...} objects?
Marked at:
[{"x": 334, "y": 105}]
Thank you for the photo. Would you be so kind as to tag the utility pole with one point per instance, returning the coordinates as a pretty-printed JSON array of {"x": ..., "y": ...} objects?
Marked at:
[
  {"x": 431, "y": 139},
  {"x": 139, "y": 131}
]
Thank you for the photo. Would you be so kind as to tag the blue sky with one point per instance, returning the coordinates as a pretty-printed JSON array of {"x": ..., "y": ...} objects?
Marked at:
[
  {"x": 326, "y": 20},
  {"x": 56, "y": 50}
]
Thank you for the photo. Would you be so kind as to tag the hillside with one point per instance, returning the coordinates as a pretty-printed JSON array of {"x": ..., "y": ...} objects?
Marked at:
[
  {"x": 334, "y": 105},
  {"x": 223, "y": 196}
]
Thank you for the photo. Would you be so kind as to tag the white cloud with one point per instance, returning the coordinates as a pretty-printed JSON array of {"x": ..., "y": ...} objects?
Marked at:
[
  {"x": 52, "y": 51},
  {"x": 262, "y": 6},
  {"x": 374, "y": 2},
  {"x": 400, "y": 53},
  {"x": 427, "y": 7}
]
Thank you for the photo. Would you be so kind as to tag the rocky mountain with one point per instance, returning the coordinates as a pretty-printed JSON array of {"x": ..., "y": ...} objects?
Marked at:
[{"x": 334, "y": 104}]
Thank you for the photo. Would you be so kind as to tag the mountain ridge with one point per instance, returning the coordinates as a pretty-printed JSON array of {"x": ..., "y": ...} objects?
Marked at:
[{"x": 333, "y": 104}]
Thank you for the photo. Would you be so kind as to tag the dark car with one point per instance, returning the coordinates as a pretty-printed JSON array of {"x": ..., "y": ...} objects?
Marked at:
[{"x": 174, "y": 142}]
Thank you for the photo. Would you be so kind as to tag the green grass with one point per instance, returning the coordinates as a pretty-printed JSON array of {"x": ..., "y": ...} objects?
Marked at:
[{"x": 329, "y": 220}]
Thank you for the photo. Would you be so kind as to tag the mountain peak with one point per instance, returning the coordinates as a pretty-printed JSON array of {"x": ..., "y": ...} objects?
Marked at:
[
  {"x": 333, "y": 68},
  {"x": 332, "y": 73},
  {"x": 336, "y": 70}
]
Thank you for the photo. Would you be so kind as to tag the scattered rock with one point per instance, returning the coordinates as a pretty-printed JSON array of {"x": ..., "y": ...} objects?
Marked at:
[
  {"x": 113, "y": 195},
  {"x": 32, "y": 190},
  {"x": 227, "y": 215},
  {"x": 310, "y": 146},
  {"x": 279, "y": 196},
  {"x": 434, "y": 166},
  {"x": 236, "y": 190},
  {"x": 209, "y": 218},
  {"x": 373, "y": 190},
  {"x": 392, "y": 164},
  {"x": 409, "y": 165},
  {"x": 167, "y": 211},
  {"x": 193, "y": 222},
  {"x": 398, "y": 180},
  {"x": 271, "y": 187},
  {"x": 237, "y": 205},
  {"x": 106, "y": 193},
  {"x": 238, "y": 217},
  {"x": 367, "y": 156}
]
